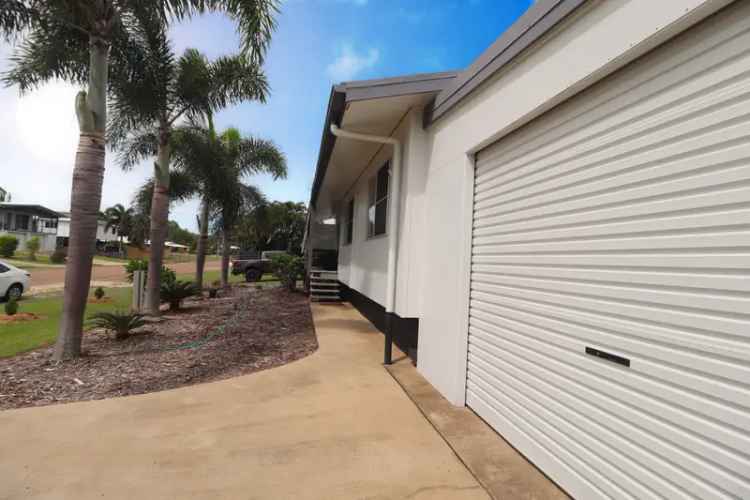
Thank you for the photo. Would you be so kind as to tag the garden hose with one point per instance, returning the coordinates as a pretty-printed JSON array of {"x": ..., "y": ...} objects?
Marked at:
[{"x": 195, "y": 344}]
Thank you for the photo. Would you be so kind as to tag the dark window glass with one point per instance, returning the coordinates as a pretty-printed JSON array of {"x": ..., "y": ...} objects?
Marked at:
[
  {"x": 3, "y": 269},
  {"x": 349, "y": 222},
  {"x": 377, "y": 211},
  {"x": 22, "y": 222}
]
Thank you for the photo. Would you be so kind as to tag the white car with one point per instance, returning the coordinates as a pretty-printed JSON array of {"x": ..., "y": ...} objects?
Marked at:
[{"x": 13, "y": 281}]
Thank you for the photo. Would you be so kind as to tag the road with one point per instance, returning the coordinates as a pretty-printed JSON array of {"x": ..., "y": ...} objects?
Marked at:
[{"x": 52, "y": 277}]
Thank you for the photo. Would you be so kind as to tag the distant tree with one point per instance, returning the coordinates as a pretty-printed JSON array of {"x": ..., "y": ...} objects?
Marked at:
[
  {"x": 179, "y": 235},
  {"x": 32, "y": 246},
  {"x": 272, "y": 226},
  {"x": 287, "y": 220},
  {"x": 119, "y": 219}
]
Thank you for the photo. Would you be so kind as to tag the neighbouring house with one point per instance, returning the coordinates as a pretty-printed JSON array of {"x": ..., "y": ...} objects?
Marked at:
[
  {"x": 105, "y": 237},
  {"x": 559, "y": 236},
  {"x": 29, "y": 221}
]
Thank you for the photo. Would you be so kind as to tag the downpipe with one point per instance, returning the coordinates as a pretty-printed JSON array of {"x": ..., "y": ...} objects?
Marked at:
[{"x": 393, "y": 221}]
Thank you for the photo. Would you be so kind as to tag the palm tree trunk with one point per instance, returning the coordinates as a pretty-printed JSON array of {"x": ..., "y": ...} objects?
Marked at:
[
  {"x": 158, "y": 231},
  {"x": 85, "y": 199},
  {"x": 200, "y": 258},
  {"x": 224, "y": 258}
]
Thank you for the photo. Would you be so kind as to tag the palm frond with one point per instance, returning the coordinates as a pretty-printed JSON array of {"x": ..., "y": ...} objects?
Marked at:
[
  {"x": 255, "y": 22},
  {"x": 182, "y": 187},
  {"x": 16, "y": 16},
  {"x": 235, "y": 79},
  {"x": 56, "y": 52},
  {"x": 133, "y": 148},
  {"x": 261, "y": 156}
]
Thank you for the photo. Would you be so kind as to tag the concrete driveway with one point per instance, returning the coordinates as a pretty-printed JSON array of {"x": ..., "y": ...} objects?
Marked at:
[{"x": 332, "y": 425}]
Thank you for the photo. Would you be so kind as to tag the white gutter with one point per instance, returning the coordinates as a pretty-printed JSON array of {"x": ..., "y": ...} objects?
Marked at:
[{"x": 395, "y": 198}]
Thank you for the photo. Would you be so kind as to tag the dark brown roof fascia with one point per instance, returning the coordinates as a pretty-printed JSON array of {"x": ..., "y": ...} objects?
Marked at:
[
  {"x": 336, "y": 107},
  {"x": 538, "y": 20}
]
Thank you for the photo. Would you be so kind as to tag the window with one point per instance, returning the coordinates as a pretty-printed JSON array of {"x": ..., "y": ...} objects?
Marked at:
[
  {"x": 349, "y": 223},
  {"x": 22, "y": 222},
  {"x": 50, "y": 223},
  {"x": 3, "y": 269},
  {"x": 377, "y": 211}
]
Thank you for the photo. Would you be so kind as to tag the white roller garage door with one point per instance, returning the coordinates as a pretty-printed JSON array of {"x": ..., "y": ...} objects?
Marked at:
[{"x": 619, "y": 223}]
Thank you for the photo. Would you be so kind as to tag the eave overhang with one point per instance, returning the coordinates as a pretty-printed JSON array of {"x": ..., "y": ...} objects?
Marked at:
[{"x": 347, "y": 93}]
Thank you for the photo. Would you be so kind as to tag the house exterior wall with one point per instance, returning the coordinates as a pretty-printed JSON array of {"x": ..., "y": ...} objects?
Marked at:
[
  {"x": 593, "y": 42},
  {"x": 102, "y": 234},
  {"x": 363, "y": 264}
]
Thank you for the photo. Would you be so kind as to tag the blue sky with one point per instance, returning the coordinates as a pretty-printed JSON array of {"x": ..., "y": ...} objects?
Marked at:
[{"x": 318, "y": 43}]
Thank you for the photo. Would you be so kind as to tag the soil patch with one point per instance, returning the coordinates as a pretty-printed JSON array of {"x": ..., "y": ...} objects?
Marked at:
[
  {"x": 4, "y": 318},
  {"x": 246, "y": 330},
  {"x": 103, "y": 300}
]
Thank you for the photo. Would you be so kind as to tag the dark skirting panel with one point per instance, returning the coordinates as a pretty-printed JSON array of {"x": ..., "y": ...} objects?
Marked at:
[{"x": 405, "y": 330}]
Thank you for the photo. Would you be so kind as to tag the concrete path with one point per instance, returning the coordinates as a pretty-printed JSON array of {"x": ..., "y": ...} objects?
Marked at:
[{"x": 332, "y": 425}]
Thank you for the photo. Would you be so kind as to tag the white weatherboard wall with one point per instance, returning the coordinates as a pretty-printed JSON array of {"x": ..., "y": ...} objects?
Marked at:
[
  {"x": 595, "y": 40},
  {"x": 363, "y": 264},
  {"x": 621, "y": 221}
]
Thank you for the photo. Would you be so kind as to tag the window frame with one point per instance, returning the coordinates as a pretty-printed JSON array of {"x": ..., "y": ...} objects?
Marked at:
[{"x": 373, "y": 201}]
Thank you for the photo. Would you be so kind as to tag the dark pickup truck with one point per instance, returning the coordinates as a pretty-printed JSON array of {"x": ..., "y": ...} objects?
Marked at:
[{"x": 254, "y": 269}]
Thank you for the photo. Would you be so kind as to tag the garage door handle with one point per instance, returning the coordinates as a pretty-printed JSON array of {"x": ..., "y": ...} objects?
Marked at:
[{"x": 614, "y": 358}]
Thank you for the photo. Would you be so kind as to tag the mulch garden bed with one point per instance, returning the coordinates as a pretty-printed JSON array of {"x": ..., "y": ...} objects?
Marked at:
[{"x": 244, "y": 331}]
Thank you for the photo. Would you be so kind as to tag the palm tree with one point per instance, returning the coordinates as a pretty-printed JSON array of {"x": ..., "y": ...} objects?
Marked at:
[
  {"x": 118, "y": 219},
  {"x": 217, "y": 164},
  {"x": 76, "y": 40},
  {"x": 145, "y": 108},
  {"x": 242, "y": 156}
]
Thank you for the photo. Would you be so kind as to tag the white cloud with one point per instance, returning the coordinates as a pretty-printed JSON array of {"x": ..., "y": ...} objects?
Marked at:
[{"x": 350, "y": 63}]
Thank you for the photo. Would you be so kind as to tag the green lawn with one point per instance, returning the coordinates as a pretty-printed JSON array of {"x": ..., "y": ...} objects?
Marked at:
[
  {"x": 23, "y": 262},
  {"x": 27, "y": 335}
]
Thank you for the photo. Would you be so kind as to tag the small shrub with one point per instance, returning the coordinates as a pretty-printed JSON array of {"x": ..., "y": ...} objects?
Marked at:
[
  {"x": 32, "y": 246},
  {"x": 99, "y": 293},
  {"x": 133, "y": 265},
  {"x": 8, "y": 245},
  {"x": 11, "y": 307},
  {"x": 58, "y": 256},
  {"x": 121, "y": 323},
  {"x": 173, "y": 292},
  {"x": 288, "y": 268}
]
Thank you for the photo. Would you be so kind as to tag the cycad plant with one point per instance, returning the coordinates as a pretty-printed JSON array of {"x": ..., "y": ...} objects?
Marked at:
[
  {"x": 174, "y": 292},
  {"x": 121, "y": 323},
  {"x": 89, "y": 43}
]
